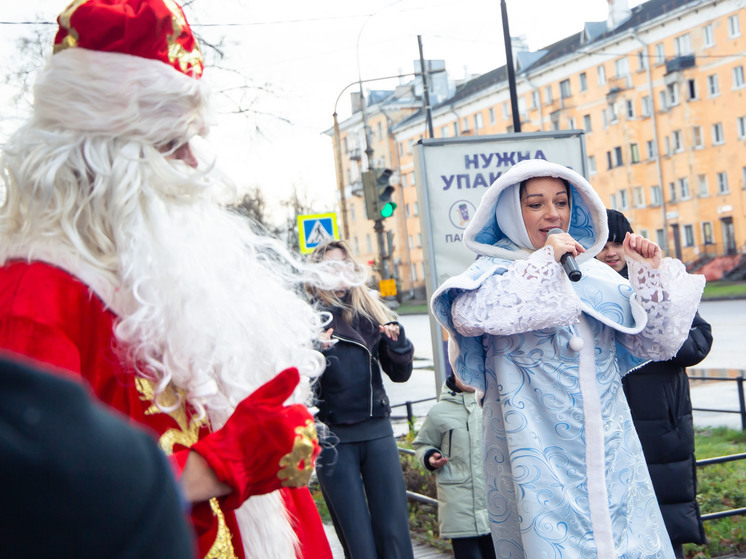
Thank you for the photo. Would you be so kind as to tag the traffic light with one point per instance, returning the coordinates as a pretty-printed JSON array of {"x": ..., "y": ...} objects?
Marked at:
[{"x": 378, "y": 191}]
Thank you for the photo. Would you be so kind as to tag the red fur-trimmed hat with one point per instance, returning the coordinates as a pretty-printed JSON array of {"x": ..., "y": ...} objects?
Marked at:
[{"x": 154, "y": 29}]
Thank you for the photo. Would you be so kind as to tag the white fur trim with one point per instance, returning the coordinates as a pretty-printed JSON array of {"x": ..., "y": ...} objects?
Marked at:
[
  {"x": 525, "y": 170},
  {"x": 595, "y": 467}
]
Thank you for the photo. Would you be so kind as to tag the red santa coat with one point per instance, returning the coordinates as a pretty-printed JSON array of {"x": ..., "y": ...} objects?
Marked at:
[{"x": 51, "y": 316}]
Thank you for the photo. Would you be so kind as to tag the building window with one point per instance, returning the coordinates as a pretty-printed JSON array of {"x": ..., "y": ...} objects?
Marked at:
[
  {"x": 738, "y": 77},
  {"x": 368, "y": 244},
  {"x": 660, "y": 54},
  {"x": 609, "y": 160},
  {"x": 592, "y": 164},
  {"x": 492, "y": 115},
  {"x": 691, "y": 90},
  {"x": 722, "y": 179},
  {"x": 548, "y": 94},
  {"x": 684, "y": 188},
  {"x": 688, "y": 236},
  {"x": 650, "y": 149},
  {"x": 697, "y": 137},
  {"x": 667, "y": 143},
  {"x": 672, "y": 192},
  {"x": 506, "y": 111},
  {"x": 535, "y": 101},
  {"x": 629, "y": 106},
  {"x": 613, "y": 115},
  {"x": 405, "y": 178},
  {"x": 443, "y": 131},
  {"x": 743, "y": 177},
  {"x": 634, "y": 153},
  {"x": 673, "y": 94},
  {"x": 571, "y": 123},
  {"x": 555, "y": 118},
  {"x": 623, "y": 199},
  {"x": 478, "y": 122},
  {"x": 639, "y": 194},
  {"x": 565, "y": 90},
  {"x": 717, "y": 134},
  {"x": 583, "y": 81},
  {"x": 741, "y": 127},
  {"x": 416, "y": 207},
  {"x": 621, "y": 67},
  {"x": 455, "y": 128},
  {"x": 414, "y": 269},
  {"x": 646, "y": 108},
  {"x": 734, "y": 27},
  {"x": 411, "y": 242},
  {"x": 678, "y": 141},
  {"x": 682, "y": 45},
  {"x": 618, "y": 159},
  {"x": 663, "y": 100},
  {"x": 407, "y": 210},
  {"x": 601, "y": 71},
  {"x": 702, "y": 185},
  {"x": 419, "y": 240},
  {"x": 612, "y": 203},
  {"x": 707, "y": 237},
  {"x": 465, "y": 123},
  {"x": 713, "y": 87},
  {"x": 660, "y": 237},
  {"x": 587, "y": 123},
  {"x": 655, "y": 195},
  {"x": 708, "y": 36},
  {"x": 356, "y": 246},
  {"x": 642, "y": 61}
]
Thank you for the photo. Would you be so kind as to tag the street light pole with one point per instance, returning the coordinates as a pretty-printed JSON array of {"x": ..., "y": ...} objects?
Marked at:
[{"x": 511, "y": 70}]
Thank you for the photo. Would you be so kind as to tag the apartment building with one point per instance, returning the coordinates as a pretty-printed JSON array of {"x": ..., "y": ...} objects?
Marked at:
[{"x": 658, "y": 90}]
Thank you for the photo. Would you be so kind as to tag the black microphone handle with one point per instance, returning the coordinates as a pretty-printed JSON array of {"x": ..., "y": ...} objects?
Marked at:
[
  {"x": 568, "y": 260},
  {"x": 571, "y": 267}
]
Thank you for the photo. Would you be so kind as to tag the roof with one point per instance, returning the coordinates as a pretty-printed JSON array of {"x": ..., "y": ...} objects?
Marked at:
[{"x": 591, "y": 35}]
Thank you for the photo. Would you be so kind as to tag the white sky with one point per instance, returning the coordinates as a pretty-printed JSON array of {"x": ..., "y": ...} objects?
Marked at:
[{"x": 307, "y": 52}]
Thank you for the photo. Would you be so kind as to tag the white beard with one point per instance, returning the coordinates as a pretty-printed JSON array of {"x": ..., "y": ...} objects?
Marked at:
[{"x": 207, "y": 305}]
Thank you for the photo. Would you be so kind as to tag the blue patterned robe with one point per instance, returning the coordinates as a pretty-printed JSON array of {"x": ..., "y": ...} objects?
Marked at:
[{"x": 565, "y": 473}]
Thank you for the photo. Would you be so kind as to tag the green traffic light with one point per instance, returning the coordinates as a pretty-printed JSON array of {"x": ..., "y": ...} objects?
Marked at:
[{"x": 388, "y": 209}]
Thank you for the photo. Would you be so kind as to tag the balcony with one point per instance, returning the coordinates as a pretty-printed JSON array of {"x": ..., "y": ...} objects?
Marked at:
[
  {"x": 355, "y": 154},
  {"x": 680, "y": 63}
]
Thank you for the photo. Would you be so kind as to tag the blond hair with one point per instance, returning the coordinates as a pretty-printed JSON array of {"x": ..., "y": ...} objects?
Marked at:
[{"x": 363, "y": 301}]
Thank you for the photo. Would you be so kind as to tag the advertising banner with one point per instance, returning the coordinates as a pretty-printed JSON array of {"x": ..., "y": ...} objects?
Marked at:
[{"x": 452, "y": 174}]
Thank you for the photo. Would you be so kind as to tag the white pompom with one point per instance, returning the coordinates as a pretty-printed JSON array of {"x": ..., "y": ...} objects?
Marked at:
[{"x": 576, "y": 343}]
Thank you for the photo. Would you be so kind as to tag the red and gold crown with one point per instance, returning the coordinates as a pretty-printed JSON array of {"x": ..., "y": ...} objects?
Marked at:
[{"x": 155, "y": 29}]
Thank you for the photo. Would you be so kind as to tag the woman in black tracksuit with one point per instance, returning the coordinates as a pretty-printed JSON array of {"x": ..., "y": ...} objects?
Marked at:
[
  {"x": 359, "y": 472},
  {"x": 658, "y": 397}
]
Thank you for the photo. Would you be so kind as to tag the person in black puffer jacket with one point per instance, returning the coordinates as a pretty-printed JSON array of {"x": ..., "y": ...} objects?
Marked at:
[
  {"x": 658, "y": 396},
  {"x": 360, "y": 474}
]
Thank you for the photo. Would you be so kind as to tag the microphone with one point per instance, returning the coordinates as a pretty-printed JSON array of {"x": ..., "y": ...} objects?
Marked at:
[{"x": 567, "y": 260}]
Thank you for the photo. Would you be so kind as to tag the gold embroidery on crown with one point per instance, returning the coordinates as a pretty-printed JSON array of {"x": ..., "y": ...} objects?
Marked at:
[
  {"x": 291, "y": 473},
  {"x": 71, "y": 40},
  {"x": 187, "y": 434}
]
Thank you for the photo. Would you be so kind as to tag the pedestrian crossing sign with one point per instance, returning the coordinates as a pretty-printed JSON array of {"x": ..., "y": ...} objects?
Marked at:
[{"x": 316, "y": 229}]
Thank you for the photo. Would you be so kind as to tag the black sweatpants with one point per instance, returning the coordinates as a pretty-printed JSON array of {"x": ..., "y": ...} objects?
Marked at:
[
  {"x": 477, "y": 547},
  {"x": 362, "y": 484}
]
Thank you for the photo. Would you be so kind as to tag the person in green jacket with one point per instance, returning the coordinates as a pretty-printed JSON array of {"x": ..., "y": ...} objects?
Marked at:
[{"x": 449, "y": 443}]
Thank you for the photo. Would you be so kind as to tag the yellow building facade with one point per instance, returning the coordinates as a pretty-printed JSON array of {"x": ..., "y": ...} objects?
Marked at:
[{"x": 659, "y": 91}]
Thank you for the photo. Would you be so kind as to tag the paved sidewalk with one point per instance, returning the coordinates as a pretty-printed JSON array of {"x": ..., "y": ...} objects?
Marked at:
[{"x": 420, "y": 551}]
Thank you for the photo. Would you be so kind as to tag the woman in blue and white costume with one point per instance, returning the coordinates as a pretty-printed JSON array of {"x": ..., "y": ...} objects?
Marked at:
[{"x": 566, "y": 477}]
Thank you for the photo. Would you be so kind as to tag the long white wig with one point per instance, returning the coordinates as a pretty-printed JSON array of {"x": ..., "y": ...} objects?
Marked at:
[{"x": 203, "y": 302}]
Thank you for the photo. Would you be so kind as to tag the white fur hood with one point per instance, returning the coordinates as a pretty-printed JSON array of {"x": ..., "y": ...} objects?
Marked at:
[{"x": 588, "y": 223}]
